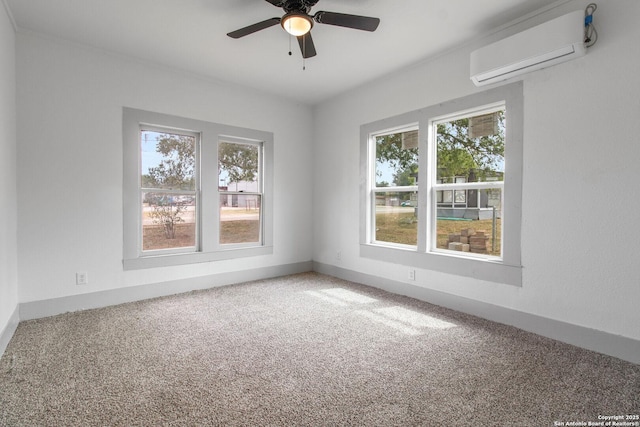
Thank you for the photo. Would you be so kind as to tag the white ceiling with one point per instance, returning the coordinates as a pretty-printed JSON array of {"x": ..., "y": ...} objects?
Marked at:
[{"x": 191, "y": 35}]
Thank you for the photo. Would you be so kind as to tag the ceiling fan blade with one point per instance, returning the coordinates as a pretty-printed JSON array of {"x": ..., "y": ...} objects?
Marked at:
[
  {"x": 357, "y": 22},
  {"x": 307, "y": 47},
  {"x": 253, "y": 28},
  {"x": 278, "y": 3}
]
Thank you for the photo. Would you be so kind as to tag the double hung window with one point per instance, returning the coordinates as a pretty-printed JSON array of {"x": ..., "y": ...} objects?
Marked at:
[
  {"x": 168, "y": 190},
  {"x": 442, "y": 186},
  {"x": 467, "y": 166},
  {"x": 395, "y": 186},
  {"x": 194, "y": 191},
  {"x": 240, "y": 191}
]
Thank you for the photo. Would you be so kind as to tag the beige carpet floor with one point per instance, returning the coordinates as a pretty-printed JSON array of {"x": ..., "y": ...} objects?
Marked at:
[{"x": 302, "y": 350}]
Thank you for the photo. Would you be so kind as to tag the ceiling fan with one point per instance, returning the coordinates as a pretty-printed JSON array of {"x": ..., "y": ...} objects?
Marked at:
[{"x": 297, "y": 22}]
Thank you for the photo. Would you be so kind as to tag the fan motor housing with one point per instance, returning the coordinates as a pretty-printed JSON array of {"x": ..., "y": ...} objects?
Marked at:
[{"x": 298, "y": 6}]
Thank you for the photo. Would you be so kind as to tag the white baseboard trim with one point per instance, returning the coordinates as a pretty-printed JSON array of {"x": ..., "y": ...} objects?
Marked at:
[
  {"x": 602, "y": 342},
  {"x": 9, "y": 329},
  {"x": 55, "y": 306},
  {"x": 591, "y": 339}
]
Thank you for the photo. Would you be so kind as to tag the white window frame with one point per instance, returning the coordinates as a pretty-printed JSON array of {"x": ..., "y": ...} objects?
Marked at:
[
  {"x": 508, "y": 269},
  {"x": 433, "y": 186},
  {"x": 391, "y": 189},
  {"x": 196, "y": 192},
  {"x": 208, "y": 247},
  {"x": 259, "y": 193}
]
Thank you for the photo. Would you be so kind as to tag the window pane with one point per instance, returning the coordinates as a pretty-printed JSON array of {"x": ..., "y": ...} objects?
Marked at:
[
  {"x": 238, "y": 167},
  {"x": 396, "y": 218},
  {"x": 168, "y": 220},
  {"x": 239, "y": 218},
  {"x": 397, "y": 159},
  {"x": 476, "y": 230},
  {"x": 451, "y": 198},
  {"x": 168, "y": 161},
  {"x": 471, "y": 149}
]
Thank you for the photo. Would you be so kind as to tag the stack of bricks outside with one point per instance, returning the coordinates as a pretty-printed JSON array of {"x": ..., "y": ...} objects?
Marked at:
[{"x": 469, "y": 240}]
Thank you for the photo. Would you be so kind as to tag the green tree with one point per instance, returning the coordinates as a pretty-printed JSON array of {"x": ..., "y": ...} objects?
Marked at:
[
  {"x": 454, "y": 162},
  {"x": 176, "y": 171},
  {"x": 458, "y": 154},
  {"x": 389, "y": 149},
  {"x": 407, "y": 176},
  {"x": 239, "y": 161},
  {"x": 177, "y": 167}
]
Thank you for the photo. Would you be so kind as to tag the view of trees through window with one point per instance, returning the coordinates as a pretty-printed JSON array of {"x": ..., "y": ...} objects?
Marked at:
[
  {"x": 240, "y": 192},
  {"x": 469, "y": 150},
  {"x": 168, "y": 184},
  {"x": 396, "y": 175},
  {"x": 169, "y": 191}
]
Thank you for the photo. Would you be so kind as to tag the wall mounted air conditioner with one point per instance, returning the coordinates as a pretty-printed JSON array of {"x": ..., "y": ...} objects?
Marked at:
[{"x": 553, "y": 42}]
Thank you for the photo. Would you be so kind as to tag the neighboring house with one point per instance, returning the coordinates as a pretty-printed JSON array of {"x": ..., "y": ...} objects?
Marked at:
[{"x": 231, "y": 195}]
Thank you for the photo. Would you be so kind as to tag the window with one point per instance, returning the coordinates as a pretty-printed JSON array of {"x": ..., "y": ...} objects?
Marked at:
[
  {"x": 395, "y": 187},
  {"x": 194, "y": 191},
  {"x": 467, "y": 165},
  {"x": 240, "y": 192},
  {"x": 168, "y": 189},
  {"x": 442, "y": 187}
]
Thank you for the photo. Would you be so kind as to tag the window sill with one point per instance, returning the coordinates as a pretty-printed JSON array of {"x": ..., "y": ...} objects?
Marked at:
[
  {"x": 482, "y": 269},
  {"x": 193, "y": 258}
]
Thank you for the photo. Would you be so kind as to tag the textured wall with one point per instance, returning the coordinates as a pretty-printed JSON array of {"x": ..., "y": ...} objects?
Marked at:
[
  {"x": 581, "y": 151},
  {"x": 8, "y": 197},
  {"x": 70, "y": 101}
]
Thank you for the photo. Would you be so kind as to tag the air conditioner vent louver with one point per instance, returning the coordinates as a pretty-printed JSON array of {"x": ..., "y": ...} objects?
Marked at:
[{"x": 553, "y": 42}]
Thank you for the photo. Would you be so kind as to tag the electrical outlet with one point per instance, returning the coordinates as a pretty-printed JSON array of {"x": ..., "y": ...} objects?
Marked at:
[
  {"x": 82, "y": 278},
  {"x": 412, "y": 274},
  {"x": 338, "y": 256}
]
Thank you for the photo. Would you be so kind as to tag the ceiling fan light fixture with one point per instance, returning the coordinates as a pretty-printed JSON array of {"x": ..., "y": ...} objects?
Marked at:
[{"x": 296, "y": 23}]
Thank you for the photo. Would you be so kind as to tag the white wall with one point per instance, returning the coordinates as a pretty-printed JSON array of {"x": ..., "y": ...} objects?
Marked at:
[
  {"x": 8, "y": 196},
  {"x": 580, "y": 240},
  {"x": 70, "y": 101}
]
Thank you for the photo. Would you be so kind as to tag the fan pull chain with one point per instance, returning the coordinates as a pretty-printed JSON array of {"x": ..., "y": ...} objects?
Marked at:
[{"x": 304, "y": 52}]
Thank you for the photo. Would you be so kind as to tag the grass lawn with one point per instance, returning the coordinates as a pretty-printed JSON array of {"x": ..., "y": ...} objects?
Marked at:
[
  {"x": 243, "y": 231},
  {"x": 246, "y": 231},
  {"x": 403, "y": 228},
  {"x": 390, "y": 227},
  {"x": 153, "y": 237}
]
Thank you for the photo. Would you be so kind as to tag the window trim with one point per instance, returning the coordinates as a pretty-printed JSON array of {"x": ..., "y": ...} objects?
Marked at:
[
  {"x": 196, "y": 191},
  {"x": 433, "y": 186},
  {"x": 225, "y": 139},
  {"x": 210, "y": 135},
  {"x": 373, "y": 189},
  {"x": 508, "y": 269}
]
